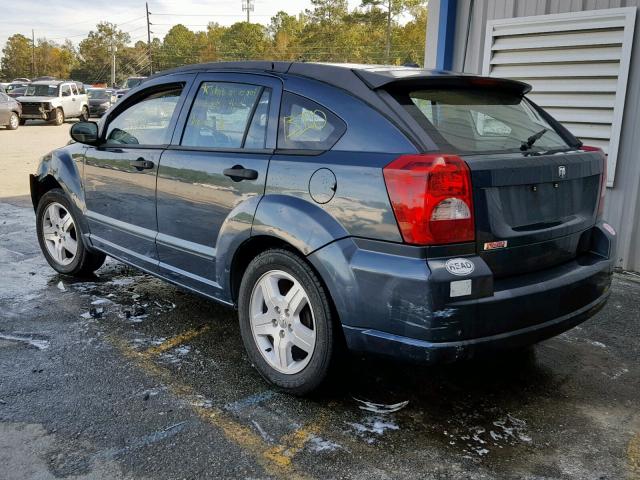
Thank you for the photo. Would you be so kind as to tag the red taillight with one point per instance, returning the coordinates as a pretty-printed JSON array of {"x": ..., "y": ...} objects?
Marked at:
[
  {"x": 603, "y": 178},
  {"x": 431, "y": 197}
]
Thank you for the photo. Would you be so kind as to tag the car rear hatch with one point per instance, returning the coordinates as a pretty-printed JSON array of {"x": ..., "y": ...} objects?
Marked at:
[
  {"x": 531, "y": 211},
  {"x": 536, "y": 193}
]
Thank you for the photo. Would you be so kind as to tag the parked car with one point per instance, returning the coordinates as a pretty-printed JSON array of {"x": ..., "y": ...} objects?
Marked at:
[
  {"x": 16, "y": 89},
  {"x": 20, "y": 80},
  {"x": 412, "y": 213},
  {"x": 53, "y": 101},
  {"x": 130, "y": 83},
  {"x": 100, "y": 100},
  {"x": 10, "y": 111}
]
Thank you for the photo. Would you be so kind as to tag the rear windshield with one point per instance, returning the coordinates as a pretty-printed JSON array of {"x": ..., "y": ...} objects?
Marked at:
[{"x": 479, "y": 121}]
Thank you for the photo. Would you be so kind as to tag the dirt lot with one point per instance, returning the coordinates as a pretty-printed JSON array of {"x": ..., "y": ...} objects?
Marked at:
[{"x": 123, "y": 376}]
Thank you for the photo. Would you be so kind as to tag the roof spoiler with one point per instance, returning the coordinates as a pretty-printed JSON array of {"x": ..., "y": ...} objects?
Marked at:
[{"x": 413, "y": 77}]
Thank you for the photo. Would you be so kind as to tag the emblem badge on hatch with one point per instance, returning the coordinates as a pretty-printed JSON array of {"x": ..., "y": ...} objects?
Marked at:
[{"x": 562, "y": 171}]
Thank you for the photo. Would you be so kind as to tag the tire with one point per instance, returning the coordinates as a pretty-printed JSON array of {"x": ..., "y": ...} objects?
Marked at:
[
  {"x": 84, "y": 115},
  {"x": 58, "y": 116},
  {"x": 23, "y": 121},
  {"x": 81, "y": 263},
  {"x": 305, "y": 372},
  {"x": 14, "y": 121}
]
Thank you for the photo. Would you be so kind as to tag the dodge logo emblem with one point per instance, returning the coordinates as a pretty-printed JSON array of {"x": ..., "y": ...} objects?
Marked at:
[{"x": 562, "y": 171}]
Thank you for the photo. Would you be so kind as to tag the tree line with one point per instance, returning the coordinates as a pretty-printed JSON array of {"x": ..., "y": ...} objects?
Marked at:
[{"x": 327, "y": 32}]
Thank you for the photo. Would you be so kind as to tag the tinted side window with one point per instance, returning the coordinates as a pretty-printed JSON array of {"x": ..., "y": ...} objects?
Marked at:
[
  {"x": 306, "y": 125},
  {"x": 65, "y": 90},
  {"x": 220, "y": 115},
  {"x": 145, "y": 122}
]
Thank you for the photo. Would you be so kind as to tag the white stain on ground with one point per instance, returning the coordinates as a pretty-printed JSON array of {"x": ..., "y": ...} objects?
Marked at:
[
  {"x": 34, "y": 342},
  {"x": 373, "y": 427},
  {"x": 477, "y": 440},
  {"x": 318, "y": 444}
]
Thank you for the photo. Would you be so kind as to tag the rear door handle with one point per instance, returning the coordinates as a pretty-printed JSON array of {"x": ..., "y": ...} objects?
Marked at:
[
  {"x": 237, "y": 173},
  {"x": 142, "y": 164}
]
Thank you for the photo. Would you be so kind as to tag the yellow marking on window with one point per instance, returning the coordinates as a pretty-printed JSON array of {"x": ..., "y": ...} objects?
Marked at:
[
  {"x": 177, "y": 340},
  {"x": 276, "y": 460},
  {"x": 633, "y": 456}
]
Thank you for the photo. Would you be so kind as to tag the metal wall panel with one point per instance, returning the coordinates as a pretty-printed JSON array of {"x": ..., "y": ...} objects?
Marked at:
[{"x": 623, "y": 201}]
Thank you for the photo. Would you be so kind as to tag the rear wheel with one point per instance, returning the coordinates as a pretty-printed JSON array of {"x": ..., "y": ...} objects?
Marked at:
[
  {"x": 14, "y": 121},
  {"x": 60, "y": 237},
  {"x": 286, "y": 321}
]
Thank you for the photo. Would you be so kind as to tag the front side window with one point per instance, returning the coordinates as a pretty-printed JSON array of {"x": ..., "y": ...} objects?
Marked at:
[
  {"x": 145, "y": 122},
  {"x": 307, "y": 125},
  {"x": 221, "y": 113},
  {"x": 65, "y": 90},
  {"x": 477, "y": 120}
]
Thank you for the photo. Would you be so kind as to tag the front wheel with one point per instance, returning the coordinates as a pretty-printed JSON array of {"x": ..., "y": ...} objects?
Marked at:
[
  {"x": 14, "y": 121},
  {"x": 84, "y": 115},
  {"x": 60, "y": 237},
  {"x": 286, "y": 321},
  {"x": 58, "y": 116}
]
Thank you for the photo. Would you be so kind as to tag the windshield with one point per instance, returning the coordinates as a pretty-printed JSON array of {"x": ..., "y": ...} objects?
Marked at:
[
  {"x": 14, "y": 87},
  {"x": 134, "y": 82},
  {"x": 92, "y": 93},
  {"x": 477, "y": 120},
  {"x": 42, "y": 90}
]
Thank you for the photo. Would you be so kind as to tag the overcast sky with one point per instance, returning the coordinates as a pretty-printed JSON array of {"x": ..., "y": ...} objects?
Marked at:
[{"x": 60, "y": 19}]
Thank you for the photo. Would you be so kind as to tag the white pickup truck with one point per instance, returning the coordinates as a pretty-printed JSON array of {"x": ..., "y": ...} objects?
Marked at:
[{"x": 53, "y": 101}]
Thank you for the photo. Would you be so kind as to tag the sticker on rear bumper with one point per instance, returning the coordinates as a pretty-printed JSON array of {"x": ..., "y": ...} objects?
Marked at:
[
  {"x": 494, "y": 245},
  {"x": 459, "y": 266},
  {"x": 460, "y": 288}
]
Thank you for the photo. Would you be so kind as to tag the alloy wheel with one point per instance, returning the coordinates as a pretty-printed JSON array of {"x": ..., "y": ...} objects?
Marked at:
[
  {"x": 282, "y": 322},
  {"x": 60, "y": 234},
  {"x": 15, "y": 121}
]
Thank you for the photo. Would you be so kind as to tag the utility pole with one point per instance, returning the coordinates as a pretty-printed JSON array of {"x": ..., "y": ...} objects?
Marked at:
[
  {"x": 113, "y": 65},
  {"x": 149, "y": 41},
  {"x": 388, "y": 45},
  {"x": 247, "y": 5},
  {"x": 33, "y": 54}
]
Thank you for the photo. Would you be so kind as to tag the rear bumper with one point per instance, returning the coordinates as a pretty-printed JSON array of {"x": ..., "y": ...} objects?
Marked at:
[
  {"x": 421, "y": 351},
  {"x": 401, "y": 305}
]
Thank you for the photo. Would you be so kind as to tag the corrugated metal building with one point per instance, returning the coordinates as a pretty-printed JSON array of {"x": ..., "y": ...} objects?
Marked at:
[{"x": 582, "y": 58}]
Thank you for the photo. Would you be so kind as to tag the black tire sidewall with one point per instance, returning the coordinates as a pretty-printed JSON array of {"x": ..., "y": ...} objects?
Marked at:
[
  {"x": 318, "y": 367},
  {"x": 84, "y": 115},
  {"x": 56, "y": 118},
  {"x": 58, "y": 196},
  {"x": 9, "y": 126}
]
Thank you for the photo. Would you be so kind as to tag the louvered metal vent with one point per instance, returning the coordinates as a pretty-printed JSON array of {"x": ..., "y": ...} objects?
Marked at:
[{"x": 577, "y": 63}]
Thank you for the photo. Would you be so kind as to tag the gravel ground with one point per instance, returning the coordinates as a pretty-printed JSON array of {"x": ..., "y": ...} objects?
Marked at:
[{"x": 123, "y": 376}]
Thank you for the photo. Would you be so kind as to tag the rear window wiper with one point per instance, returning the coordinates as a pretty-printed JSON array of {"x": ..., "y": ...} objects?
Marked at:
[{"x": 532, "y": 139}]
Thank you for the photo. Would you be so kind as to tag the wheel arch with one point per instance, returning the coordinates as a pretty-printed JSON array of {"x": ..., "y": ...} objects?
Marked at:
[{"x": 61, "y": 169}]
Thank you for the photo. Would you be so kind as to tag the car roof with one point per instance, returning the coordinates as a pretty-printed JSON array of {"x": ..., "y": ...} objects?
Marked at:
[
  {"x": 49, "y": 82},
  {"x": 346, "y": 75}
]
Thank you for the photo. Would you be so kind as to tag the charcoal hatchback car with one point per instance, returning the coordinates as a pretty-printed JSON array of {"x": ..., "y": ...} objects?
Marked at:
[{"x": 419, "y": 214}]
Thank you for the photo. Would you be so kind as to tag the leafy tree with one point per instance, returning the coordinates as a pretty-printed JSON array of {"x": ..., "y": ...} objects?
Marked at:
[
  {"x": 285, "y": 31},
  {"x": 95, "y": 53},
  {"x": 16, "y": 57},
  {"x": 391, "y": 10},
  {"x": 245, "y": 41},
  {"x": 178, "y": 47},
  {"x": 55, "y": 60}
]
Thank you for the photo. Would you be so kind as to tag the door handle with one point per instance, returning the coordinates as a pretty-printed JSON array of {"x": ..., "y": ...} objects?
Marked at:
[
  {"x": 237, "y": 173},
  {"x": 142, "y": 164}
]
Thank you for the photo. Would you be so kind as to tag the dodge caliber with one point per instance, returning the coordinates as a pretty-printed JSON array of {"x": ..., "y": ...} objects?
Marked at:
[{"x": 419, "y": 214}]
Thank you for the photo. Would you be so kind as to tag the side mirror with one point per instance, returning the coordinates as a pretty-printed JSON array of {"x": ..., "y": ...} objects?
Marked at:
[{"x": 85, "y": 132}]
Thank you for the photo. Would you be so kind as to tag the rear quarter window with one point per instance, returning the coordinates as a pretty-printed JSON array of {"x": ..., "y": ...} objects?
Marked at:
[
  {"x": 307, "y": 125},
  {"x": 477, "y": 120}
]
